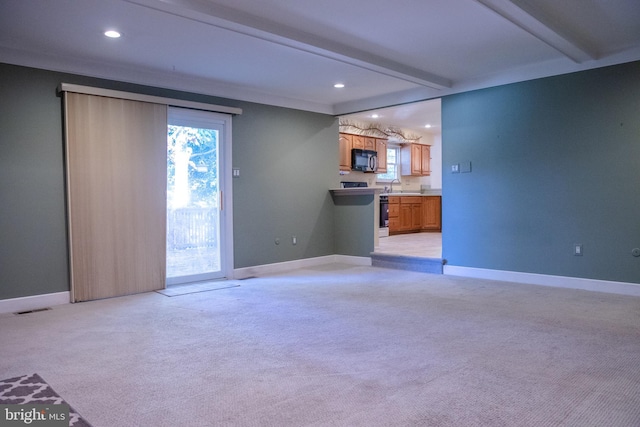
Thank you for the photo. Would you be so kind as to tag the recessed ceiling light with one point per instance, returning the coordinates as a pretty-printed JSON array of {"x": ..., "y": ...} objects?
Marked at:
[
  {"x": 427, "y": 126},
  {"x": 338, "y": 85},
  {"x": 112, "y": 34},
  {"x": 374, "y": 116}
]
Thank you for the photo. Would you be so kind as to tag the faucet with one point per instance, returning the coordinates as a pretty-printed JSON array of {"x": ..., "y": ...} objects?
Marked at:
[{"x": 391, "y": 184}]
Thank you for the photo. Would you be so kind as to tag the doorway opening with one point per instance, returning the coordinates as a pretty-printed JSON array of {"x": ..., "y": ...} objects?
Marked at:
[{"x": 402, "y": 127}]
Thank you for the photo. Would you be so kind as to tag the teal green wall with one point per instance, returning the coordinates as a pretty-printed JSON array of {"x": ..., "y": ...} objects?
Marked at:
[
  {"x": 555, "y": 162},
  {"x": 287, "y": 158},
  {"x": 33, "y": 248},
  {"x": 354, "y": 219},
  {"x": 288, "y": 161}
]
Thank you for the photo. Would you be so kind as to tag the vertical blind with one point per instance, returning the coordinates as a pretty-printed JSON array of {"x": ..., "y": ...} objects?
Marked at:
[{"x": 116, "y": 189}]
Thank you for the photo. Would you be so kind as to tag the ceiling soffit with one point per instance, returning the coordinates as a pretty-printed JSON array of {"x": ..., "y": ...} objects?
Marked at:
[{"x": 241, "y": 22}]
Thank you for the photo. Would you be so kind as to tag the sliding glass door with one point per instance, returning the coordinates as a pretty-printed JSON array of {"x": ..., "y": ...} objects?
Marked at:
[{"x": 196, "y": 226}]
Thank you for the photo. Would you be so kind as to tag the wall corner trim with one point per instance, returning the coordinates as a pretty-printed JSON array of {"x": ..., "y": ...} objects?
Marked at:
[
  {"x": 607, "y": 286},
  {"x": 280, "y": 267},
  {"x": 34, "y": 302}
]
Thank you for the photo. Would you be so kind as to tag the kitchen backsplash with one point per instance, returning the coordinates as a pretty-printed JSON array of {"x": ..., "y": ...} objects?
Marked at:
[{"x": 408, "y": 183}]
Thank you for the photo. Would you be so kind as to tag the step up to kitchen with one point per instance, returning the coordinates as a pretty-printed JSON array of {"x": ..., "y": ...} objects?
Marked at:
[{"x": 403, "y": 262}]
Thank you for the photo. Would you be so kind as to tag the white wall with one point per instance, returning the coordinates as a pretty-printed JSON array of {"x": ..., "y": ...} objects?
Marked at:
[{"x": 436, "y": 162}]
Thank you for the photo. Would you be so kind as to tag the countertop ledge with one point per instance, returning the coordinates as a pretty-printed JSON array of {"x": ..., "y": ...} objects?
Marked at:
[
  {"x": 355, "y": 191},
  {"x": 374, "y": 190}
]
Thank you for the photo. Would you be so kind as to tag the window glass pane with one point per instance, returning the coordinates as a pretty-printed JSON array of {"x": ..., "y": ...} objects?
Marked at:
[
  {"x": 392, "y": 166},
  {"x": 192, "y": 201},
  {"x": 391, "y": 155}
]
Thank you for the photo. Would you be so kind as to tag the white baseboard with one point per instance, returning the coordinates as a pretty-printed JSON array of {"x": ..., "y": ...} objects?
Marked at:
[
  {"x": 279, "y": 267},
  {"x": 612, "y": 287},
  {"x": 35, "y": 302}
]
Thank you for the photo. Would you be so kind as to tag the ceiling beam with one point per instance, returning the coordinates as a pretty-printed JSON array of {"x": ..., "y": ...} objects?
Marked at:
[
  {"x": 253, "y": 26},
  {"x": 540, "y": 26}
]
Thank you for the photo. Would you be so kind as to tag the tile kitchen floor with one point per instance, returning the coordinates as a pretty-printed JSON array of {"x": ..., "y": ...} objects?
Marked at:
[{"x": 427, "y": 245}]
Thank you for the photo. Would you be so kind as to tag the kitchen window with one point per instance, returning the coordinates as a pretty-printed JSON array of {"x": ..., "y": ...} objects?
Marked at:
[{"x": 393, "y": 158}]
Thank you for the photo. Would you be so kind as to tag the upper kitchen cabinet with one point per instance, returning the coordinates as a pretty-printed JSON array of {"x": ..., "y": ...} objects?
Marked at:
[
  {"x": 345, "y": 142},
  {"x": 357, "y": 141},
  {"x": 369, "y": 143},
  {"x": 348, "y": 141},
  {"x": 416, "y": 159},
  {"x": 381, "y": 148}
]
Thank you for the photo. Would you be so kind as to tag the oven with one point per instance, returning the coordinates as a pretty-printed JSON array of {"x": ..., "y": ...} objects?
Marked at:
[{"x": 384, "y": 211}]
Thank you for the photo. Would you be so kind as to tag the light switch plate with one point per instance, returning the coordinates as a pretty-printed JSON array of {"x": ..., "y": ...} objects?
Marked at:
[
  {"x": 455, "y": 168},
  {"x": 465, "y": 167}
]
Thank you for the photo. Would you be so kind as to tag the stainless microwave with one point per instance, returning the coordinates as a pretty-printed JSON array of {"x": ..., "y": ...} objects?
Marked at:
[{"x": 364, "y": 160}]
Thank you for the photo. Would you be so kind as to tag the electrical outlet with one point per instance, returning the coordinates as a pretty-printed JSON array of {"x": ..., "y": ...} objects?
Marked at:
[{"x": 577, "y": 249}]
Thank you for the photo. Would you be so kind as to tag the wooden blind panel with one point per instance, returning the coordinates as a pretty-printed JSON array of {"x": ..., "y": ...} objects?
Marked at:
[{"x": 116, "y": 171}]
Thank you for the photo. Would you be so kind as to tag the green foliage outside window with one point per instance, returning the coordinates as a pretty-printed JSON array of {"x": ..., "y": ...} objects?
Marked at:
[{"x": 192, "y": 167}]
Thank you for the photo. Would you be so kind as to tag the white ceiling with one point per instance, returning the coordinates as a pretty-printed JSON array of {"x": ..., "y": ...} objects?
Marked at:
[{"x": 291, "y": 52}]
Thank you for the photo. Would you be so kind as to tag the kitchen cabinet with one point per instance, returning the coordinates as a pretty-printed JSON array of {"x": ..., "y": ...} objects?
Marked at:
[
  {"x": 348, "y": 141},
  {"x": 407, "y": 214},
  {"x": 416, "y": 159},
  {"x": 412, "y": 214},
  {"x": 345, "y": 142},
  {"x": 394, "y": 214},
  {"x": 432, "y": 213},
  {"x": 381, "y": 149},
  {"x": 369, "y": 143},
  {"x": 425, "y": 158},
  {"x": 357, "y": 141},
  {"x": 405, "y": 218}
]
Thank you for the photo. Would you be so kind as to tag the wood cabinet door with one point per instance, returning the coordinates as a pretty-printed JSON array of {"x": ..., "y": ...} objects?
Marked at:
[
  {"x": 431, "y": 213},
  {"x": 425, "y": 159},
  {"x": 394, "y": 225},
  {"x": 381, "y": 148},
  {"x": 369, "y": 143},
  {"x": 394, "y": 215},
  {"x": 416, "y": 216},
  {"x": 344, "y": 142},
  {"x": 357, "y": 142},
  {"x": 406, "y": 217},
  {"x": 416, "y": 159},
  {"x": 394, "y": 210}
]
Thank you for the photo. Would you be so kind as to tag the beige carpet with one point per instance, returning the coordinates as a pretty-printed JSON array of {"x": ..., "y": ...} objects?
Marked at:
[{"x": 340, "y": 346}]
